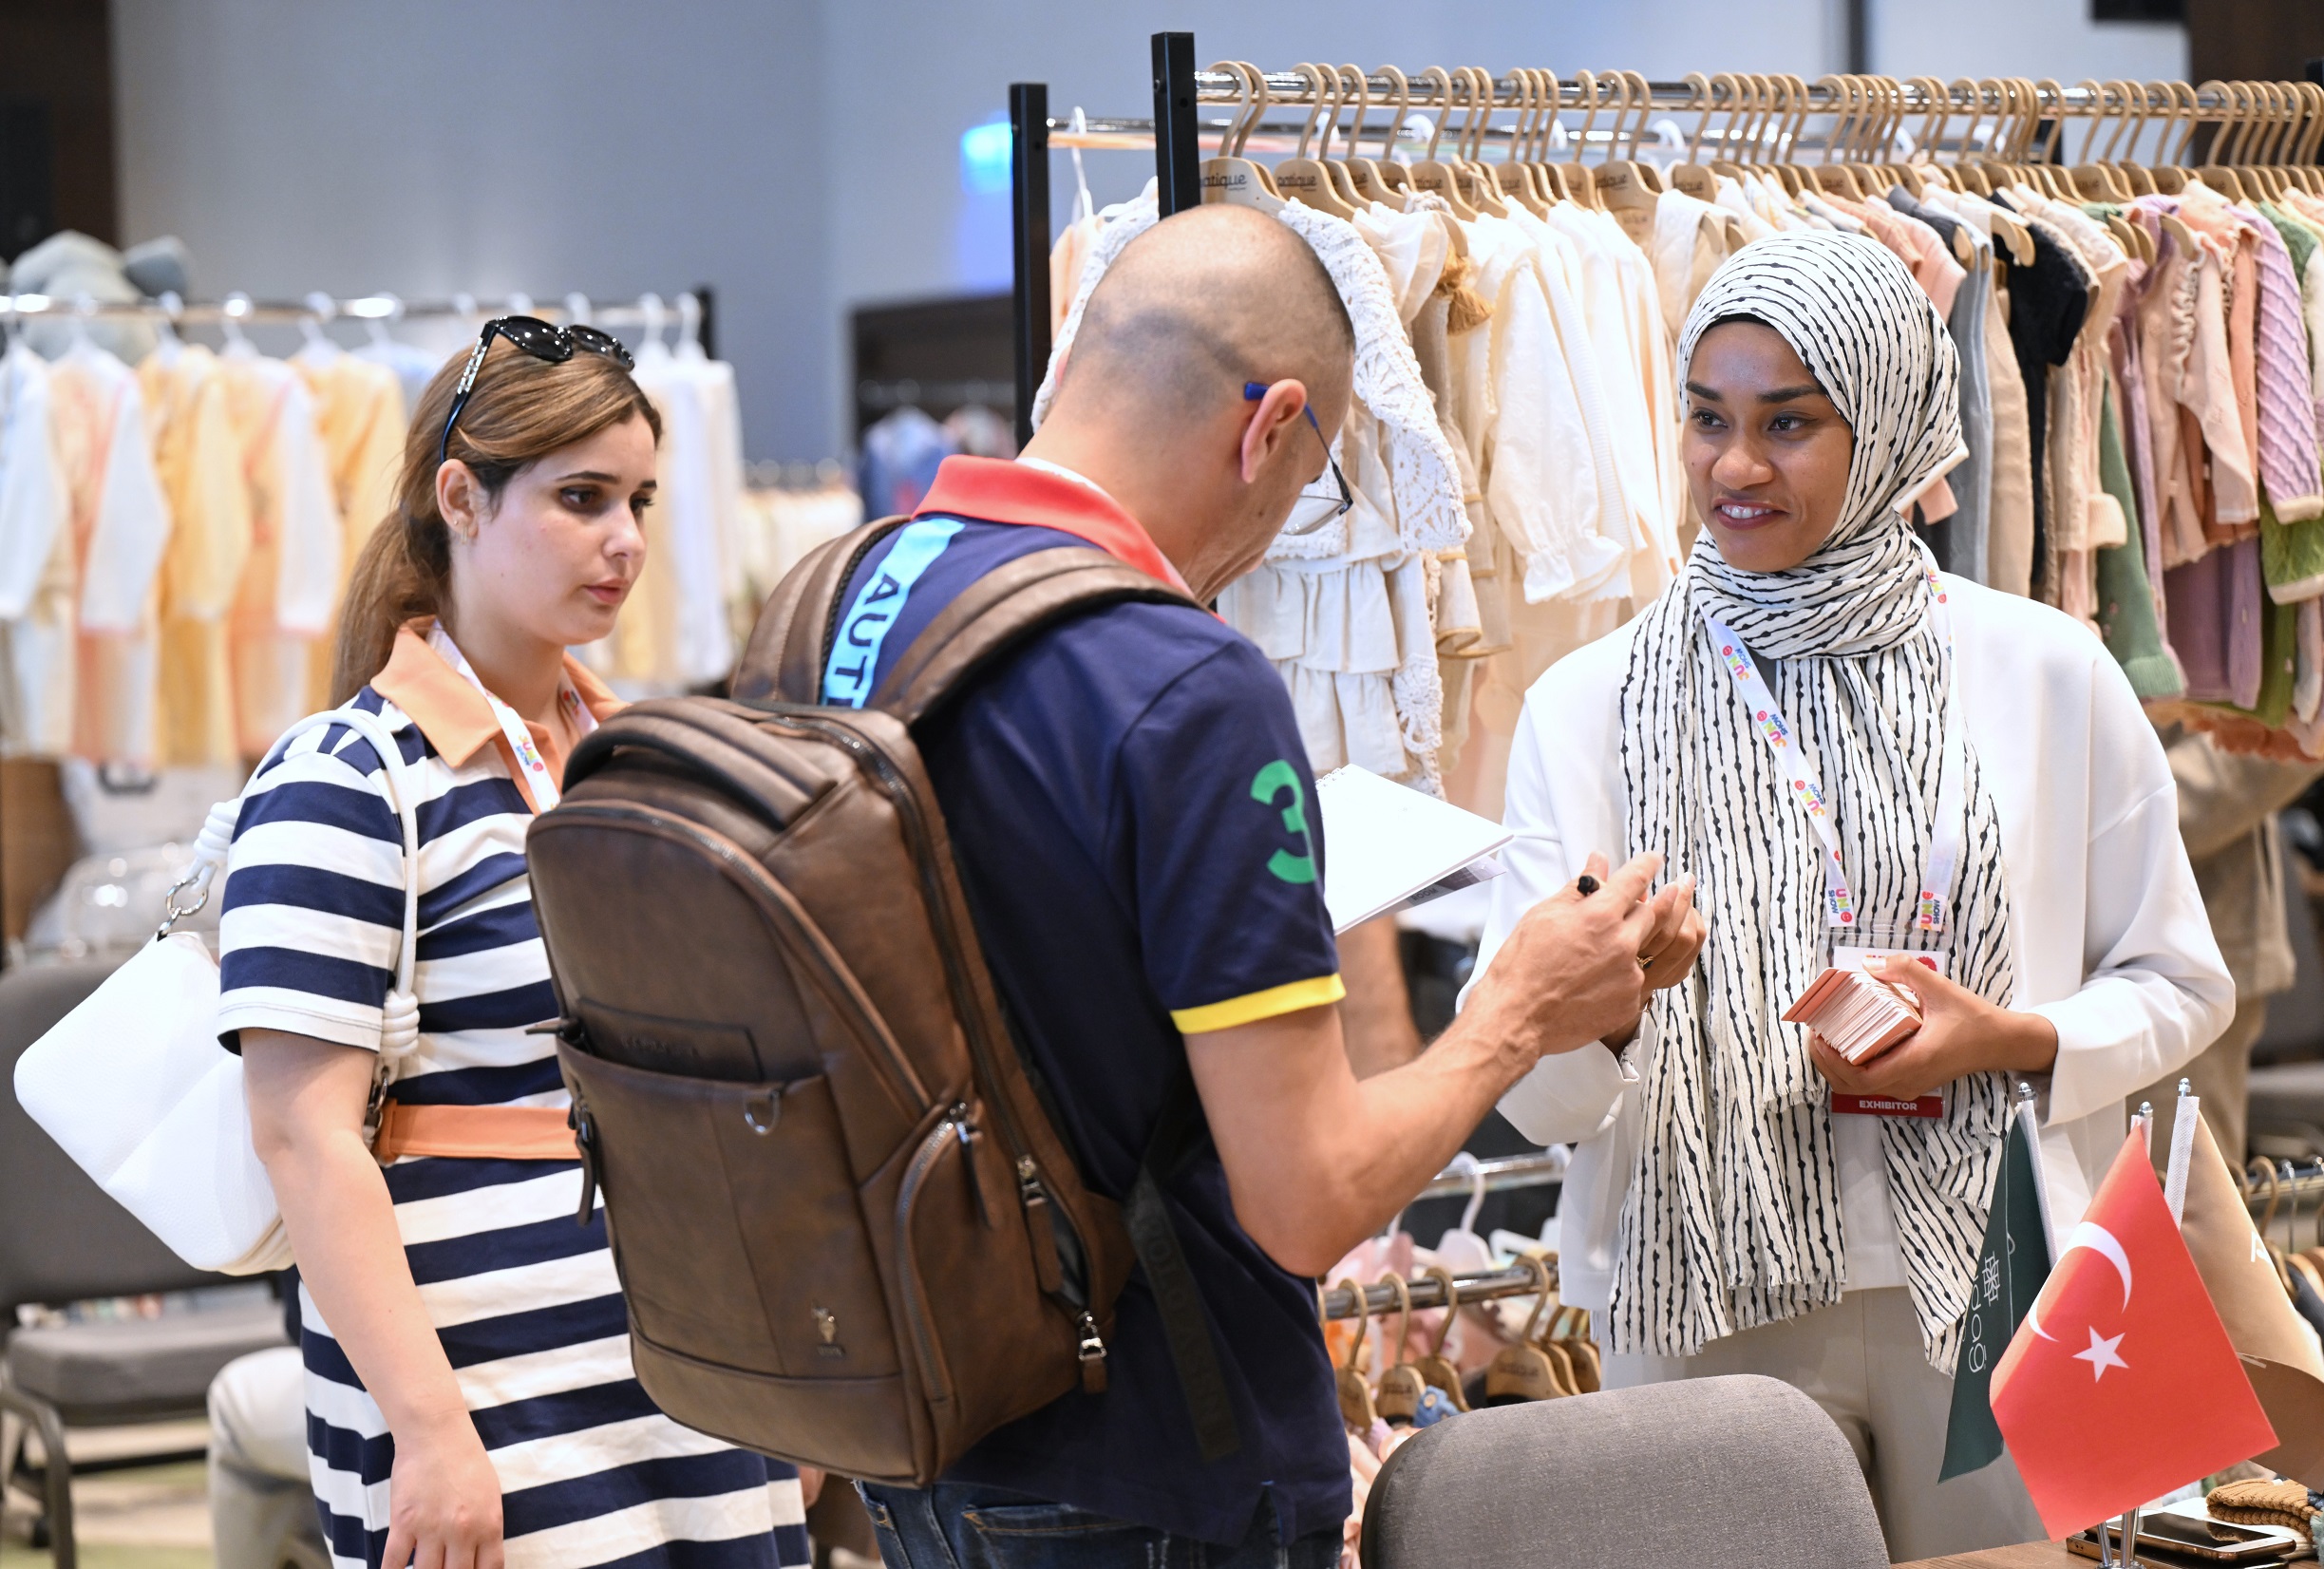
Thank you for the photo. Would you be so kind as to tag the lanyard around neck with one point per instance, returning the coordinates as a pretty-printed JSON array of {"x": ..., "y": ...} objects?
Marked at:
[
  {"x": 539, "y": 782},
  {"x": 1945, "y": 833}
]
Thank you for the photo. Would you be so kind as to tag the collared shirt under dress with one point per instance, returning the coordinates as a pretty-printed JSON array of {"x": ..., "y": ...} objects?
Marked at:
[{"x": 524, "y": 1301}]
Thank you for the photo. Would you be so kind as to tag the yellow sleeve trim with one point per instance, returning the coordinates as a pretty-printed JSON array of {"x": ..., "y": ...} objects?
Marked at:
[{"x": 1255, "y": 1005}]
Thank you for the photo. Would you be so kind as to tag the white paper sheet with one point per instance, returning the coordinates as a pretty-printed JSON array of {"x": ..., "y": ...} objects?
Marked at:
[{"x": 1384, "y": 843}]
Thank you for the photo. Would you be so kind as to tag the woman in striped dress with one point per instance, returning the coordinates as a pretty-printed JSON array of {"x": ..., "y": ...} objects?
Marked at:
[{"x": 470, "y": 1401}]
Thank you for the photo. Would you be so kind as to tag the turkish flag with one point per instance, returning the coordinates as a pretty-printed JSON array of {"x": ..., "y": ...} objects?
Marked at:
[{"x": 2121, "y": 1384}]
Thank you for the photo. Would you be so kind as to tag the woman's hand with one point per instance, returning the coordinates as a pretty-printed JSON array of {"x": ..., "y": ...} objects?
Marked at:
[
  {"x": 444, "y": 1500},
  {"x": 1960, "y": 1033},
  {"x": 1668, "y": 953}
]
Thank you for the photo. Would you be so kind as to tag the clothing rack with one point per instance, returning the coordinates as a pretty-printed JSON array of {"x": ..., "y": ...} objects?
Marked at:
[
  {"x": 239, "y": 309},
  {"x": 1498, "y": 1176},
  {"x": 1765, "y": 116},
  {"x": 1428, "y": 1292},
  {"x": 2294, "y": 1184}
]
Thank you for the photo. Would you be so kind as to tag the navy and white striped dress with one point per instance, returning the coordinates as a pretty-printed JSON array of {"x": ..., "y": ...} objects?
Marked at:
[{"x": 524, "y": 1300}]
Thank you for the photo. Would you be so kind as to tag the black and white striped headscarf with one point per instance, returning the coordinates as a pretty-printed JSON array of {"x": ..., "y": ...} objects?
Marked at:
[{"x": 1733, "y": 1218}]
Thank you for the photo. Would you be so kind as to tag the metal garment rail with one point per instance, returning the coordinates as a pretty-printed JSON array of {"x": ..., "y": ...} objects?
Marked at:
[
  {"x": 320, "y": 308},
  {"x": 1428, "y": 1292},
  {"x": 2293, "y": 1185}
]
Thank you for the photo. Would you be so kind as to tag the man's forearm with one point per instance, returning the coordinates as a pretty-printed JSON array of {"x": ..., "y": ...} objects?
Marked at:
[{"x": 1313, "y": 1174}]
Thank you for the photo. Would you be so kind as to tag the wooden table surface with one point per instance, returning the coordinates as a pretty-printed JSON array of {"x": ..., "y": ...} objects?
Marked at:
[{"x": 2033, "y": 1555}]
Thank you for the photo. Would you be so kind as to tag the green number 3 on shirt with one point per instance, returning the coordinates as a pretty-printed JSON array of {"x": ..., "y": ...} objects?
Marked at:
[{"x": 1271, "y": 781}]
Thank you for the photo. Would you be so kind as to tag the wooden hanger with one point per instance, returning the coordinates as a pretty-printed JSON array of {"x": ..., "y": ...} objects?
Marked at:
[
  {"x": 1524, "y": 1371},
  {"x": 2129, "y": 126},
  {"x": 1402, "y": 1387},
  {"x": 1476, "y": 181},
  {"x": 1548, "y": 178},
  {"x": 1792, "y": 104},
  {"x": 2215, "y": 174},
  {"x": 1431, "y": 174},
  {"x": 1692, "y": 177},
  {"x": 1363, "y": 173},
  {"x": 1626, "y": 187},
  {"x": 2266, "y": 1168},
  {"x": 1831, "y": 178},
  {"x": 1436, "y": 1367},
  {"x": 1513, "y": 173},
  {"x": 1580, "y": 179},
  {"x": 1355, "y": 1408},
  {"x": 1726, "y": 159},
  {"x": 1346, "y": 82},
  {"x": 1392, "y": 174},
  {"x": 2311, "y": 137},
  {"x": 1582, "y": 1350},
  {"x": 1300, "y": 178},
  {"x": 1230, "y": 176}
]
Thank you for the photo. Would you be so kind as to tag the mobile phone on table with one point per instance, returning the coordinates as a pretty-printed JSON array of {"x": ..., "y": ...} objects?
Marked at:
[{"x": 2182, "y": 1538}]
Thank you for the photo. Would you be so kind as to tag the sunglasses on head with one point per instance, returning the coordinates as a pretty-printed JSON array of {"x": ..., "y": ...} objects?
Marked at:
[
  {"x": 1318, "y": 503},
  {"x": 538, "y": 338}
]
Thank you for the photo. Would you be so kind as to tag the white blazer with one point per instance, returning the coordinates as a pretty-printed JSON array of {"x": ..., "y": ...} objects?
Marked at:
[{"x": 2108, "y": 935}]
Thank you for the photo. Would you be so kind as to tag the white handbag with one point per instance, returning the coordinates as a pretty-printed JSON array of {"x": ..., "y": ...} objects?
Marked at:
[{"x": 136, "y": 1089}]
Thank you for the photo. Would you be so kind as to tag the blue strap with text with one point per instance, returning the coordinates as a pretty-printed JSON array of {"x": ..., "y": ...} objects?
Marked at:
[{"x": 855, "y": 654}]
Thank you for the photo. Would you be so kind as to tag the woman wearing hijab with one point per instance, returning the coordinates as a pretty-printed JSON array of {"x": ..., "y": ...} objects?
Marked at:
[{"x": 1846, "y": 751}]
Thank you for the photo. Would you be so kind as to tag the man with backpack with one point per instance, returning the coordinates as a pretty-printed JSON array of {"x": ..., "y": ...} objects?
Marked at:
[{"x": 1135, "y": 827}]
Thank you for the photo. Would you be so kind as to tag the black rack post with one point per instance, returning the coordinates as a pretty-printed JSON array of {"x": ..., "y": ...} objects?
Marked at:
[
  {"x": 1028, "y": 194},
  {"x": 1178, "y": 163}
]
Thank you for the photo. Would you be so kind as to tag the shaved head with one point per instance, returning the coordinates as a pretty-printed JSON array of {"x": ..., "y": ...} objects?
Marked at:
[
  {"x": 1202, "y": 302},
  {"x": 1151, "y": 402}
]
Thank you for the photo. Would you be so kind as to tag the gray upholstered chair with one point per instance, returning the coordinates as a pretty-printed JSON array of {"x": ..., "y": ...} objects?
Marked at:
[
  {"x": 1744, "y": 1472},
  {"x": 63, "y": 1241}
]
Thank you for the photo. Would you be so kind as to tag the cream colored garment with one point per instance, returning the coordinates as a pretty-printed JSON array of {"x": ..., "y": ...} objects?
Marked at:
[
  {"x": 36, "y": 560},
  {"x": 1617, "y": 291},
  {"x": 1734, "y": 199},
  {"x": 2086, "y": 518},
  {"x": 1343, "y": 612},
  {"x": 1067, "y": 258},
  {"x": 119, "y": 523},
  {"x": 359, "y": 413},
  {"x": 200, "y": 464},
  {"x": 1690, "y": 243},
  {"x": 290, "y": 583}
]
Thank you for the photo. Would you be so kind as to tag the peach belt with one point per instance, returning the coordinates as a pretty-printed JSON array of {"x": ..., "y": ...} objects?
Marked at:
[{"x": 494, "y": 1132}]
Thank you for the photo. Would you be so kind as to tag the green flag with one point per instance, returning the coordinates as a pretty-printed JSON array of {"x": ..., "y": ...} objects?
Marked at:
[{"x": 2011, "y": 1268}]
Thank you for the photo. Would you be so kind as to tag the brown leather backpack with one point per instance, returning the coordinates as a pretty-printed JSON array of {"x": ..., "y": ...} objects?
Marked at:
[{"x": 846, "y": 1227}]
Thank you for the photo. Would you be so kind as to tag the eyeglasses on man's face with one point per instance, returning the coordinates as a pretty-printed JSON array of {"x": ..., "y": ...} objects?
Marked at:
[{"x": 1318, "y": 503}]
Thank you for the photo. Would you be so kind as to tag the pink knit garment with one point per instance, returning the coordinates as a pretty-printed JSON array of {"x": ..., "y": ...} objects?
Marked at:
[{"x": 2288, "y": 462}]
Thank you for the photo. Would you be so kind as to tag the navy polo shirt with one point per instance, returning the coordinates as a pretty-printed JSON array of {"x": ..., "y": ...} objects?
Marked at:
[{"x": 1135, "y": 826}]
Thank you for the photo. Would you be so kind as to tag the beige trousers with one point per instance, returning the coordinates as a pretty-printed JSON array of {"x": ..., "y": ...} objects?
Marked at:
[
  {"x": 2221, "y": 1078},
  {"x": 1861, "y": 1360}
]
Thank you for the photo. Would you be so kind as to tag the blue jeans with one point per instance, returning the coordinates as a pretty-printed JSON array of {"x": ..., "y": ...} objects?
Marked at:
[{"x": 958, "y": 1525}]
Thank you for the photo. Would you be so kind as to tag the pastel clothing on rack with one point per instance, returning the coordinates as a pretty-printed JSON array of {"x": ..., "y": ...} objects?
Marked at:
[
  {"x": 694, "y": 527},
  {"x": 526, "y": 1304},
  {"x": 359, "y": 413},
  {"x": 291, "y": 581},
  {"x": 36, "y": 561},
  {"x": 119, "y": 525},
  {"x": 200, "y": 460}
]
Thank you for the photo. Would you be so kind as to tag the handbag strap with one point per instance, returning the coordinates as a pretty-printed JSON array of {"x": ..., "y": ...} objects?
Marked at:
[{"x": 399, "y": 1035}]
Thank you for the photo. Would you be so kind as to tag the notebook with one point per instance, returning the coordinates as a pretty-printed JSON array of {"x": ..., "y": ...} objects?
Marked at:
[{"x": 1387, "y": 845}]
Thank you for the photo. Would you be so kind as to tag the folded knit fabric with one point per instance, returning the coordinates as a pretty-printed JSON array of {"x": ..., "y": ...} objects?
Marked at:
[{"x": 2279, "y": 1502}]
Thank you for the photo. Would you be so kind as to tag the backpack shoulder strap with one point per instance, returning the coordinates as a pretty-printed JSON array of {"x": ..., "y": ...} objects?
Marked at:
[
  {"x": 999, "y": 611},
  {"x": 783, "y": 661}
]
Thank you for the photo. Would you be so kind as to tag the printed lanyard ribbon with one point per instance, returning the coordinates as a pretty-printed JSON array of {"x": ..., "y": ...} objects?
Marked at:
[
  {"x": 539, "y": 782},
  {"x": 1945, "y": 833}
]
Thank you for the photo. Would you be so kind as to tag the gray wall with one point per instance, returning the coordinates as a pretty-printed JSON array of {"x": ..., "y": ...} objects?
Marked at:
[{"x": 804, "y": 154}]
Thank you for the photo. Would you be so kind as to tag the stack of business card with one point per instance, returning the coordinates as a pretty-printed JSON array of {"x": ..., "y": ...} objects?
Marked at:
[{"x": 1861, "y": 1015}]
